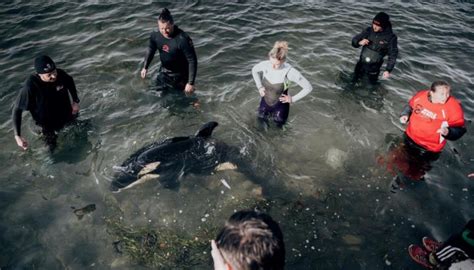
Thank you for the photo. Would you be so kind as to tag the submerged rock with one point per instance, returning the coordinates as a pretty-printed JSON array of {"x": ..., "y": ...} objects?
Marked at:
[{"x": 335, "y": 158}]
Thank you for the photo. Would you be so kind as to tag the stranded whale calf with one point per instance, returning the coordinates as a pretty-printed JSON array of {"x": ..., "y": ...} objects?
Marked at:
[{"x": 169, "y": 160}]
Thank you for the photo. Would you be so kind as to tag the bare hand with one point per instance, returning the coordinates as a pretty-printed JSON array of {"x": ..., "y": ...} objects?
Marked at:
[
  {"x": 364, "y": 42},
  {"x": 404, "y": 119},
  {"x": 285, "y": 99},
  {"x": 143, "y": 73},
  {"x": 443, "y": 131},
  {"x": 219, "y": 263},
  {"x": 470, "y": 175},
  {"x": 75, "y": 108},
  {"x": 189, "y": 88},
  {"x": 21, "y": 142},
  {"x": 261, "y": 91},
  {"x": 386, "y": 74}
]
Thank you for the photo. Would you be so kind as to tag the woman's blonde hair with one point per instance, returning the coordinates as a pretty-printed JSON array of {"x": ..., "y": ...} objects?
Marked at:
[{"x": 279, "y": 50}]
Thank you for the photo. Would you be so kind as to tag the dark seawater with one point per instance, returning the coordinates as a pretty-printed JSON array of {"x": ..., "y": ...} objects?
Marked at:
[{"x": 320, "y": 175}]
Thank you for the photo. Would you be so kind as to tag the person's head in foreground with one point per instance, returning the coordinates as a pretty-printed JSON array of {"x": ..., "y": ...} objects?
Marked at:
[{"x": 250, "y": 240}]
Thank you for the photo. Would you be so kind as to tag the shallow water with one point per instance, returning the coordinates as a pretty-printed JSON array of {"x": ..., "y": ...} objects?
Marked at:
[{"x": 319, "y": 175}]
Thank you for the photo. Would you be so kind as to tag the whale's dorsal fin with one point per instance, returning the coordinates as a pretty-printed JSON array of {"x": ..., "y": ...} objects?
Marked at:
[{"x": 206, "y": 130}]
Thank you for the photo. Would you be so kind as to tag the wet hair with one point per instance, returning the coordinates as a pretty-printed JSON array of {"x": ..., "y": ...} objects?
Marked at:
[
  {"x": 252, "y": 240},
  {"x": 165, "y": 16},
  {"x": 279, "y": 50},
  {"x": 439, "y": 83}
]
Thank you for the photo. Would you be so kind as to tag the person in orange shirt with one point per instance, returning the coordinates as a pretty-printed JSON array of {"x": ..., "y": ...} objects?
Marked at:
[{"x": 432, "y": 117}]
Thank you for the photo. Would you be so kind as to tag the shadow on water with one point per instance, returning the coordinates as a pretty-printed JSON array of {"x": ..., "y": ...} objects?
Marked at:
[
  {"x": 369, "y": 96},
  {"x": 176, "y": 102},
  {"x": 73, "y": 143}
]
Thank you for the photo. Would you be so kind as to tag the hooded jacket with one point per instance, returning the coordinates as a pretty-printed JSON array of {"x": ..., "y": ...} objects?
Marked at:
[{"x": 381, "y": 44}]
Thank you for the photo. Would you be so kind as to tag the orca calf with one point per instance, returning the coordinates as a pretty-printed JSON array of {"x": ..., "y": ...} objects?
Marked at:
[{"x": 169, "y": 160}]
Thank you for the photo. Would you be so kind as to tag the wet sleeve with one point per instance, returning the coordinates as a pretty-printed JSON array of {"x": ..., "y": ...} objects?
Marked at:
[
  {"x": 256, "y": 70},
  {"x": 359, "y": 37},
  {"x": 407, "y": 110},
  {"x": 150, "y": 53},
  {"x": 456, "y": 124},
  {"x": 455, "y": 133},
  {"x": 73, "y": 90},
  {"x": 295, "y": 76},
  {"x": 392, "y": 53},
  {"x": 22, "y": 103},
  {"x": 190, "y": 54}
]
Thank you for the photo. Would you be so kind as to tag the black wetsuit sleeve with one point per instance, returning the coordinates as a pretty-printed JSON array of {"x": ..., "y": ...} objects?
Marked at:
[
  {"x": 392, "y": 53},
  {"x": 407, "y": 111},
  {"x": 150, "y": 53},
  {"x": 455, "y": 133},
  {"x": 188, "y": 49},
  {"x": 16, "y": 119},
  {"x": 21, "y": 104},
  {"x": 73, "y": 90},
  {"x": 359, "y": 37}
]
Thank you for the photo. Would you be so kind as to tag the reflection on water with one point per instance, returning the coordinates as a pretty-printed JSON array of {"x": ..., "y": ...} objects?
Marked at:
[{"x": 319, "y": 176}]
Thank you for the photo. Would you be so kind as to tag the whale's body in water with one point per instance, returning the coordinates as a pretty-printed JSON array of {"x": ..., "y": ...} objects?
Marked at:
[{"x": 172, "y": 158}]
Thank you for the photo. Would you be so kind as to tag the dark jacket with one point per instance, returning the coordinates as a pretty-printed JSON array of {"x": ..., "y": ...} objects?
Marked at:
[{"x": 381, "y": 44}]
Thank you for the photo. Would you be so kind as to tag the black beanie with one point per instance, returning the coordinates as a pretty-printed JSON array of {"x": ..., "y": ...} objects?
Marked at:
[
  {"x": 382, "y": 19},
  {"x": 44, "y": 64}
]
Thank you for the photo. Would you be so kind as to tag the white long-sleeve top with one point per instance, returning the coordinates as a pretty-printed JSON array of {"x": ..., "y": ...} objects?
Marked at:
[{"x": 278, "y": 76}]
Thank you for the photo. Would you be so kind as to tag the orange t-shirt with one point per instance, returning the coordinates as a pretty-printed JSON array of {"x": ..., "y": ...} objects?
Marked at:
[{"x": 427, "y": 118}]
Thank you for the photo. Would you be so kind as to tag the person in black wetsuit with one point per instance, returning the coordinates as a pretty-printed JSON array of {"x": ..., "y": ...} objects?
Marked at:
[
  {"x": 47, "y": 95},
  {"x": 177, "y": 55},
  {"x": 376, "y": 41}
]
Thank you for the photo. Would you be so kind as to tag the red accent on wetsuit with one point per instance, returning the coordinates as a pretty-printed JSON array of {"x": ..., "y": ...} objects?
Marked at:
[{"x": 427, "y": 118}]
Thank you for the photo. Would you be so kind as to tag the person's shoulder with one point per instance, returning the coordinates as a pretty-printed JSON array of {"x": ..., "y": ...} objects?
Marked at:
[
  {"x": 263, "y": 64},
  {"x": 453, "y": 101},
  {"x": 63, "y": 74},
  {"x": 32, "y": 80},
  {"x": 181, "y": 34},
  {"x": 420, "y": 95}
]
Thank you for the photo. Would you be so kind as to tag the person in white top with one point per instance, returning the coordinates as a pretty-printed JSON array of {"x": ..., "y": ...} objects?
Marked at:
[{"x": 272, "y": 78}]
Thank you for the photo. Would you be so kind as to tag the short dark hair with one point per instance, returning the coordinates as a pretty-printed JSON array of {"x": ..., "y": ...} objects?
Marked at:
[
  {"x": 165, "y": 16},
  {"x": 252, "y": 240},
  {"x": 439, "y": 83}
]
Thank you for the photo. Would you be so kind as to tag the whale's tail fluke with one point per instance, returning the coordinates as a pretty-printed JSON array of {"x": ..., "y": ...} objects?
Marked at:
[{"x": 206, "y": 130}]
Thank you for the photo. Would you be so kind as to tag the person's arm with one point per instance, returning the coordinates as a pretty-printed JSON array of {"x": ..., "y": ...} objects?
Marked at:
[
  {"x": 357, "y": 38},
  {"x": 73, "y": 92},
  {"x": 21, "y": 104},
  {"x": 256, "y": 70},
  {"x": 455, "y": 133},
  {"x": 295, "y": 76},
  {"x": 392, "y": 54},
  {"x": 190, "y": 54},
  {"x": 150, "y": 53},
  {"x": 405, "y": 115}
]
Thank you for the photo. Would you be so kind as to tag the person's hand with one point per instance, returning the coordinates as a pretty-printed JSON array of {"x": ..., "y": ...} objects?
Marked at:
[
  {"x": 261, "y": 91},
  {"x": 75, "y": 108},
  {"x": 285, "y": 99},
  {"x": 386, "y": 74},
  {"x": 364, "y": 42},
  {"x": 21, "y": 142},
  {"x": 143, "y": 73},
  {"x": 470, "y": 175},
  {"x": 443, "y": 131},
  {"x": 404, "y": 119},
  {"x": 189, "y": 88},
  {"x": 219, "y": 263}
]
